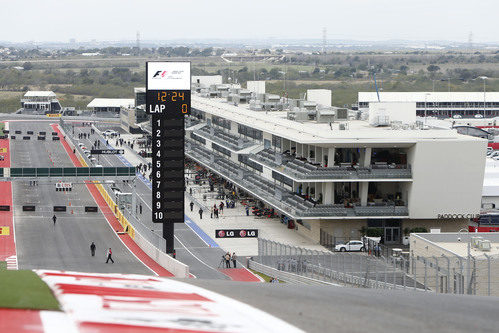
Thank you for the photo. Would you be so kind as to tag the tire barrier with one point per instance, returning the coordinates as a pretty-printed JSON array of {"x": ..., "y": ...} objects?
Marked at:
[
  {"x": 29, "y": 132},
  {"x": 91, "y": 209},
  {"x": 4, "y": 136},
  {"x": 13, "y": 137},
  {"x": 55, "y": 138},
  {"x": 42, "y": 138},
  {"x": 26, "y": 138},
  {"x": 18, "y": 132},
  {"x": 39, "y": 133},
  {"x": 6, "y": 131},
  {"x": 54, "y": 133},
  {"x": 28, "y": 208},
  {"x": 4, "y": 208},
  {"x": 60, "y": 208}
]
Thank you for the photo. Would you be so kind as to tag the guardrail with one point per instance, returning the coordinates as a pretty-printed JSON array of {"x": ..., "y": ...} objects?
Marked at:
[{"x": 286, "y": 276}]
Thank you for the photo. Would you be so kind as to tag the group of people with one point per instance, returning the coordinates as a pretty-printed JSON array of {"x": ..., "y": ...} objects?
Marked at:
[
  {"x": 228, "y": 258},
  {"x": 109, "y": 253},
  {"x": 83, "y": 135},
  {"x": 143, "y": 167},
  {"x": 216, "y": 211}
]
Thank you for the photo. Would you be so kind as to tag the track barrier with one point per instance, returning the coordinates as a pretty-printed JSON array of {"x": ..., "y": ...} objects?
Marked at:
[
  {"x": 91, "y": 209},
  {"x": 28, "y": 208},
  {"x": 4, "y": 208},
  {"x": 59, "y": 208}
]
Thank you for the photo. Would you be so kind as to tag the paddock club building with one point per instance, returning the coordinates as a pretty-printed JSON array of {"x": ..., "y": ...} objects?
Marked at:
[{"x": 335, "y": 178}]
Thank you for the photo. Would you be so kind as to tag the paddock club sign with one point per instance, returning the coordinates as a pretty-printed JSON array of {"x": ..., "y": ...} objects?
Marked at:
[{"x": 458, "y": 216}]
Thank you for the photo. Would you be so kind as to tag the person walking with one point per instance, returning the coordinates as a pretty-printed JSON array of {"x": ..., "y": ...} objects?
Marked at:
[
  {"x": 227, "y": 260},
  {"x": 215, "y": 211},
  {"x": 221, "y": 206},
  {"x": 109, "y": 256},
  {"x": 92, "y": 249},
  {"x": 54, "y": 218},
  {"x": 211, "y": 212},
  {"x": 247, "y": 210},
  {"x": 140, "y": 208},
  {"x": 192, "y": 205},
  {"x": 200, "y": 213},
  {"x": 234, "y": 259}
]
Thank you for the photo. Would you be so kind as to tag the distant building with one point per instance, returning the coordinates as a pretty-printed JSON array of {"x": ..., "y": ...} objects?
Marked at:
[
  {"x": 110, "y": 104},
  {"x": 440, "y": 104},
  {"x": 41, "y": 101},
  {"x": 131, "y": 117}
]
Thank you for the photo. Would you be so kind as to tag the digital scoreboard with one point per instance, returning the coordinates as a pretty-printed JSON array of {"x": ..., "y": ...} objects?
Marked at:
[{"x": 168, "y": 100}]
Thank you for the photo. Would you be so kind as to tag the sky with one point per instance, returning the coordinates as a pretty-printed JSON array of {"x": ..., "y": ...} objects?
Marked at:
[{"x": 367, "y": 20}]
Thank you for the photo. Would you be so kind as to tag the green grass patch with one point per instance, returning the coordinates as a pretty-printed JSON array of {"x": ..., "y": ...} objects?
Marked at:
[
  {"x": 264, "y": 276},
  {"x": 3, "y": 265},
  {"x": 25, "y": 290},
  {"x": 2, "y": 127}
]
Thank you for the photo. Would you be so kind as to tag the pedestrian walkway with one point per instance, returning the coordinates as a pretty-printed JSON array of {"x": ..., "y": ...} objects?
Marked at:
[{"x": 235, "y": 218}]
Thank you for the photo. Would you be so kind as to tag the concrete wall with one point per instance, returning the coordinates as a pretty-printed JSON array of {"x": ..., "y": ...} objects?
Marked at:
[
  {"x": 320, "y": 96},
  {"x": 207, "y": 80},
  {"x": 256, "y": 86},
  {"x": 447, "y": 177},
  {"x": 396, "y": 111}
]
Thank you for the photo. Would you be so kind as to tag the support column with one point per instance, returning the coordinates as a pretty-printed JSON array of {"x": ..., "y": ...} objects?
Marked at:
[
  {"x": 328, "y": 196},
  {"x": 363, "y": 189},
  {"x": 330, "y": 156},
  {"x": 367, "y": 157}
]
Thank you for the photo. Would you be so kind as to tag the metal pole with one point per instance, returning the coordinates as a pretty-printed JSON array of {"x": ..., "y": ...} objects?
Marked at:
[
  {"x": 436, "y": 274},
  {"x": 468, "y": 268},
  {"x": 448, "y": 274},
  {"x": 488, "y": 274},
  {"x": 425, "y": 273}
]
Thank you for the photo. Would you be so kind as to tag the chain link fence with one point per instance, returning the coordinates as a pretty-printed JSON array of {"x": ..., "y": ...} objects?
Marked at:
[{"x": 440, "y": 275}]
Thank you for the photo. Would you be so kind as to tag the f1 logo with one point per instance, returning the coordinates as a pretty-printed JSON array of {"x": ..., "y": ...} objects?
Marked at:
[{"x": 158, "y": 73}]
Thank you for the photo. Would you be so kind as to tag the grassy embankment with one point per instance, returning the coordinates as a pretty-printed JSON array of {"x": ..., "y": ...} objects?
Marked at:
[{"x": 23, "y": 289}]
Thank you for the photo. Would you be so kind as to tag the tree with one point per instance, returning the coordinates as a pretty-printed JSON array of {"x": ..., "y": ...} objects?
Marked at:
[
  {"x": 27, "y": 66},
  {"x": 433, "y": 68}
]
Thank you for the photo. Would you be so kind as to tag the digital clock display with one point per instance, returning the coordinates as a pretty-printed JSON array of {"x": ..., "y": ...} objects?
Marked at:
[{"x": 161, "y": 101}]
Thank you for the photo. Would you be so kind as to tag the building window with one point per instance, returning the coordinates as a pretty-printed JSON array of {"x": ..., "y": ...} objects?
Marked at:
[
  {"x": 250, "y": 132},
  {"x": 244, "y": 160},
  {"x": 281, "y": 178},
  {"x": 198, "y": 138},
  {"x": 225, "y": 123},
  {"x": 220, "y": 149}
]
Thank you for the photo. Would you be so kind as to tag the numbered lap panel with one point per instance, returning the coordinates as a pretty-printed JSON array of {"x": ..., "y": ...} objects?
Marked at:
[{"x": 168, "y": 100}]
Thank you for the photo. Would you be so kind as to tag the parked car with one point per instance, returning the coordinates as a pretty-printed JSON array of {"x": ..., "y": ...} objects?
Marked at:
[
  {"x": 479, "y": 115},
  {"x": 353, "y": 245},
  {"x": 111, "y": 133},
  {"x": 457, "y": 116}
]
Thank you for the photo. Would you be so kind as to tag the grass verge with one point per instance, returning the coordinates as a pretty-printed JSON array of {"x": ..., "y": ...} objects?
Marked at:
[
  {"x": 2, "y": 126},
  {"x": 3, "y": 265},
  {"x": 25, "y": 290},
  {"x": 264, "y": 276}
]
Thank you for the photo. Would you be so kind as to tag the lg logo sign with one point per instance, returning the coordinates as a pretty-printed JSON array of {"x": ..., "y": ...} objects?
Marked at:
[{"x": 236, "y": 233}]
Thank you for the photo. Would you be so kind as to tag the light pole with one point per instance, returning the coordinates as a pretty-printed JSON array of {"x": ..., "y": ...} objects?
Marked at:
[
  {"x": 468, "y": 284},
  {"x": 484, "y": 78},
  {"x": 425, "y": 95}
]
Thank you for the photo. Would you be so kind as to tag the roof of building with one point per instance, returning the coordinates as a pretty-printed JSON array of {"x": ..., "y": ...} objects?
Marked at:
[
  {"x": 46, "y": 93},
  {"x": 419, "y": 96},
  {"x": 457, "y": 243},
  {"x": 111, "y": 102},
  {"x": 358, "y": 132}
]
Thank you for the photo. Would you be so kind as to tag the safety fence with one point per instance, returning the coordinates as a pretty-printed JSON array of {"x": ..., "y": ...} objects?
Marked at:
[{"x": 445, "y": 274}]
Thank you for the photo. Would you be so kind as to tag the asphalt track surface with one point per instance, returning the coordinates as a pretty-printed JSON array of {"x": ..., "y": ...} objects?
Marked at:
[
  {"x": 319, "y": 309},
  {"x": 65, "y": 245},
  {"x": 202, "y": 259}
]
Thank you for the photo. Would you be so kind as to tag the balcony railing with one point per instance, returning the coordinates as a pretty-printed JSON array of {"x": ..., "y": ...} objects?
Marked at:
[
  {"x": 222, "y": 138},
  {"x": 277, "y": 196},
  {"x": 300, "y": 170}
]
